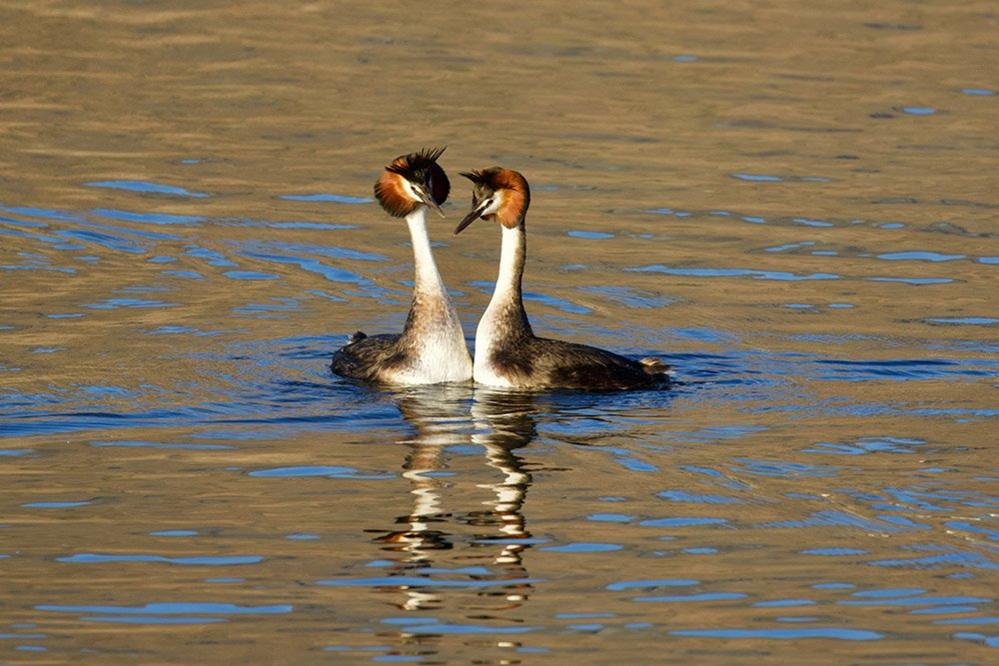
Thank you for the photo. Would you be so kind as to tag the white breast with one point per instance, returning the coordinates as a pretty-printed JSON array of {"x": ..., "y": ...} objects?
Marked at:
[
  {"x": 485, "y": 338},
  {"x": 440, "y": 356}
]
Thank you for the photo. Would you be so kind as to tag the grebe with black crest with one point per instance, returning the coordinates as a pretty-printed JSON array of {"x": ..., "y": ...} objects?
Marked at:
[
  {"x": 507, "y": 353},
  {"x": 431, "y": 348}
]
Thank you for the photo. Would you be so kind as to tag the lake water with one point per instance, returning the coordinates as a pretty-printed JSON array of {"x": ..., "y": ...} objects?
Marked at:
[{"x": 795, "y": 205}]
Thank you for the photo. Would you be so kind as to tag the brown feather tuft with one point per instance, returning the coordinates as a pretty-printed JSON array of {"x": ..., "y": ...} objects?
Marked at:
[
  {"x": 421, "y": 168},
  {"x": 516, "y": 192}
]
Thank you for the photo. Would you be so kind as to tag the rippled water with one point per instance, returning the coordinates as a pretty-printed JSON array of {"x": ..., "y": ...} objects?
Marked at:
[{"x": 795, "y": 205}]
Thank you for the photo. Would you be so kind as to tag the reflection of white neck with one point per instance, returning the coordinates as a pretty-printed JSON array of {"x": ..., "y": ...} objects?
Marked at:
[{"x": 427, "y": 277}]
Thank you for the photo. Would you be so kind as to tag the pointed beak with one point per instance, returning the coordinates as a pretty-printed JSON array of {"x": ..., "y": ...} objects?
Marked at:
[
  {"x": 429, "y": 202},
  {"x": 471, "y": 217}
]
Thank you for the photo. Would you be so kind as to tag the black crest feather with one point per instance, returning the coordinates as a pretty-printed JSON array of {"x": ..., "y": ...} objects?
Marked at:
[
  {"x": 420, "y": 167},
  {"x": 475, "y": 176},
  {"x": 409, "y": 166},
  {"x": 494, "y": 178}
]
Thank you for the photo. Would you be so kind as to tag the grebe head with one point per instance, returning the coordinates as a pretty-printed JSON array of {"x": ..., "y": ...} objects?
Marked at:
[
  {"x": 498, "y": 194},
  {"x": 413, "y": 180}
]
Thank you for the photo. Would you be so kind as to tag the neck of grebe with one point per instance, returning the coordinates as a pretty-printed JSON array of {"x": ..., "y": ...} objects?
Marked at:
[
  {"x": 427, "y": 279},
  {"x": 505, "y": 314},
  {"x": 432, "y": 328}
]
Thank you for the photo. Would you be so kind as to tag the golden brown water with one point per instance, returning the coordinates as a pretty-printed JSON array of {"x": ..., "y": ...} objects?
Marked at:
[{"x": 795, "y": 204}]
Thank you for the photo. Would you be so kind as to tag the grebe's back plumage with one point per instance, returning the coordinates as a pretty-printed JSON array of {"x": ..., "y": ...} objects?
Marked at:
[
  {"x": 507, "y": 353},
  {"x": 431, "y": 348}
]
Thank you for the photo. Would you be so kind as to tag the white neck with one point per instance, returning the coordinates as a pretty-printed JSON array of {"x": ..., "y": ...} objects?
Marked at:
[
  {"x": 511, "y": 266},
  {"x": 432, "y": 325},
  {"x": 504, "y": 317},
  {"x": 427, "y": 277}
]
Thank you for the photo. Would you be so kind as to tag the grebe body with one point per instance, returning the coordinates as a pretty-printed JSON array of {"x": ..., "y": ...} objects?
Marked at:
[
  {"x": 431, "y": 348},
  {"x": 507, "y": 353}
]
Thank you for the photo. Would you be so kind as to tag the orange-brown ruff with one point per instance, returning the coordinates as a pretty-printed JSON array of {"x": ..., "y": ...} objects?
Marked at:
[
  {"x": 390, "y": 190},
  {"x": 507, "y": 353},
  {"x": 431, "y": 348}
]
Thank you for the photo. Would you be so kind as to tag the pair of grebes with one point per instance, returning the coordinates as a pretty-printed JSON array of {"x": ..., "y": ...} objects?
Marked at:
[{"x": 431, "y": 348}]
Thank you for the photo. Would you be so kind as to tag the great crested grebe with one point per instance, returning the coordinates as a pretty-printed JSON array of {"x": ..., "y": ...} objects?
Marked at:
[
  {"x": 431, "y": 348},
  {"x": 507, "y": 353}
]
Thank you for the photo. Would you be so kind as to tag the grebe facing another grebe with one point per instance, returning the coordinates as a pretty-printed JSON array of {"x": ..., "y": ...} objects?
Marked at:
[
  {"x": 507, "y": 353},
  {"x": 431, "y": 348}
]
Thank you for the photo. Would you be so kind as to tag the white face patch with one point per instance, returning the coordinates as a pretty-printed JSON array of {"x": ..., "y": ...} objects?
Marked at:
[
  {"x": 410, "y": 190},
  {"x": 497, "y": 203}
]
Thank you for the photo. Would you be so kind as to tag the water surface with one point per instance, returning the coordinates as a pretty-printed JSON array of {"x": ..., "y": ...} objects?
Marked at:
[{"x": 794, "y": 205}]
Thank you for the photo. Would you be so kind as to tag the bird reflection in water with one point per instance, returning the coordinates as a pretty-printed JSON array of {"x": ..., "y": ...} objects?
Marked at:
[{"x": 446, "y": 422}]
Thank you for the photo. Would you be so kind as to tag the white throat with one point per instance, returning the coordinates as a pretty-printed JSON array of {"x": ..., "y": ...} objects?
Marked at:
[
  {"x": 507, "y": 292},
  {"x": 508, "y": 279},
  {"x": 427, "y": 277},
  {"x": 440, "y": 353}
]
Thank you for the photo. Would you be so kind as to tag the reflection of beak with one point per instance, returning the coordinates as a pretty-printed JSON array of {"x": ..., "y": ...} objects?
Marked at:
[
  {"x": 429, "y": 202},
  {"x": 471, "y": 217}
]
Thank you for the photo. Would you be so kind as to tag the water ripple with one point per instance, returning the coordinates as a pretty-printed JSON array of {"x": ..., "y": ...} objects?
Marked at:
[
  {"x": 835, "y": 633},
  {"x": 146, "y": 187}
]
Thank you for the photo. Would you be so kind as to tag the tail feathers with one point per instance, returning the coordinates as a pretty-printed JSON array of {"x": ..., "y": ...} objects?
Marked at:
[
  {"x": 357, "y": 337},
  {"x": 653, "y": 366}
]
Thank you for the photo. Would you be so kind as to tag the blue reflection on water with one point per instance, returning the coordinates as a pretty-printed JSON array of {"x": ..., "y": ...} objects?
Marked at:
[
  {"x": 682, "y": 521},
  {"x": 757, "y": 178},
  {"x": 327, "y": 472},
  {"x": 115, "y": 303},
  {"x": 964, "y": 321},
  {"x": 782, "y": 276},
  {"x": 206, "y": 560},
  {"x": 991, "y": 641},
  {"x": 262, "y": 250},
  {"x": 55, "y": 505},
  {"x": 250, "y": 275},
  {"x": 783, "y": 634},
  {"x": 866, "y": 445},
  {"x": 331, "y": 273},
  {"x": 487, "y": 287},
  {"x": 147, "y": 218},
  {"x": 919, "y": 256},
  {"x": 652, "y": 583},
  {"x": 833, "y": 552},
  {"x": 583, "y": 548},
  {"x": 628, "y": 297},
  {"x": 685, "y": 598},
  {"x": 965, "y": 559},
  {"x": 915, "y": 601},
  {"x": 911, "y": 280},
  {"x": 174, "y": 533},
  {"x": 146, "y": 187},
  {"x": 589, "y": 235},
  {"x": 684, "y": 496}
]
